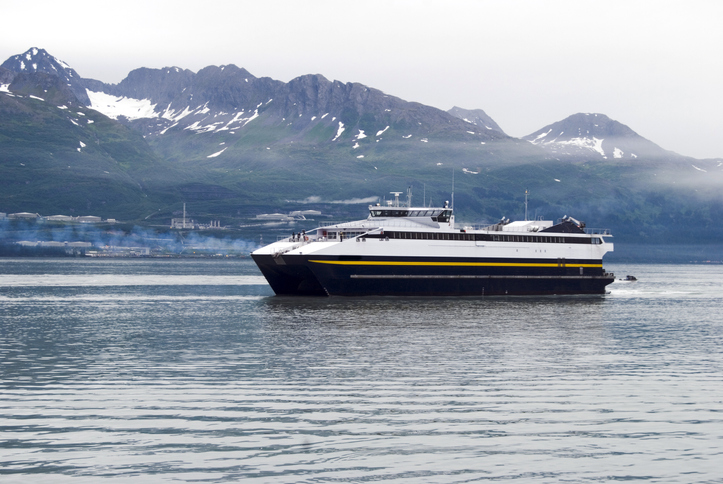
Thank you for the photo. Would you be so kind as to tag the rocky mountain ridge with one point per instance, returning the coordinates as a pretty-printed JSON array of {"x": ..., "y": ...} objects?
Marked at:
[{"x": 157, "y": 102}]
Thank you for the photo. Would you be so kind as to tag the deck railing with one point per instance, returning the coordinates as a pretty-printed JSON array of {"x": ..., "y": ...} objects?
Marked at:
[{"x": 598, "y": 231}]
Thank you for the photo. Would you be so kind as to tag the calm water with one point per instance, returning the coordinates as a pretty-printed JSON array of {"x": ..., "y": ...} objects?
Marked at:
[{"x": 189, "y": 370}]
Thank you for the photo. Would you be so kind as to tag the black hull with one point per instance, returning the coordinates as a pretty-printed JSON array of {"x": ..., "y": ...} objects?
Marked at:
[{"x": 313, "y": 276}]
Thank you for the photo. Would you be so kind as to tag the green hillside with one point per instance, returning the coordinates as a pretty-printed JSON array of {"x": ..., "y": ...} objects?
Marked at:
[{"x": 67, "y": 158}]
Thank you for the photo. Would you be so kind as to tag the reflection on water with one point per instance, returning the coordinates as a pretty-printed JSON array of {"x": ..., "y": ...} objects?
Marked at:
[{"x": 176, "y": 372}]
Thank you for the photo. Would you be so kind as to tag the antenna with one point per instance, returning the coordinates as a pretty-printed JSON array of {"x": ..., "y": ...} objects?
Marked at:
[
  {"x": 396, "y": 198},
  {"x": 525, "y": 205},
  {"x": 452, "y": 206}
]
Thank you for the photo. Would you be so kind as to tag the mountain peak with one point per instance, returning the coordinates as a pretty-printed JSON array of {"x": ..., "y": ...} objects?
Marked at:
[
  {"x": 39, "y": 60},
  {"x": 476, "y": 117},
  {"x": 36, "y": 60},
  {"x": 594, "y": 136}
]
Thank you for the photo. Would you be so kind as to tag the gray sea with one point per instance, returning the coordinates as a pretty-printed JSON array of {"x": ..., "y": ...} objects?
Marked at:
[{"x": 151, "y": 370}]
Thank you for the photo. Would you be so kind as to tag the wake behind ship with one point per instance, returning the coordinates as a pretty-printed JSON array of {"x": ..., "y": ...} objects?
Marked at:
[{"x": 418, "y": 251}]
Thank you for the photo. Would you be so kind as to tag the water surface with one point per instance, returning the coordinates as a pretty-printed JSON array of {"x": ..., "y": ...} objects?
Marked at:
[{"x": 190, "y": 370}]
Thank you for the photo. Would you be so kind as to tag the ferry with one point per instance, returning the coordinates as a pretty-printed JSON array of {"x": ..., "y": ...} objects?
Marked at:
[{"x": 419, "y": 251}]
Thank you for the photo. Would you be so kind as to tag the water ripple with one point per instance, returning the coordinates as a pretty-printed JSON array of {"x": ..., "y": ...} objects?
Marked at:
[{"x": 210, "y": 381}]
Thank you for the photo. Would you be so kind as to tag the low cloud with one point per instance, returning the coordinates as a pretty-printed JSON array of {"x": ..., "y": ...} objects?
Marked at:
[{"x": 350, "y": 201}]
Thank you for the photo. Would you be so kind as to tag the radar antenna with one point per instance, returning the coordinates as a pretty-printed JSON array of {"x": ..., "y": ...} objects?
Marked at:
[{"x": 396, "y": 198}]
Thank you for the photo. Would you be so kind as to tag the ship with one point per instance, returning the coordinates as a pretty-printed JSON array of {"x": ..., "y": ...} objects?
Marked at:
[{"x": 401, "y": 250}]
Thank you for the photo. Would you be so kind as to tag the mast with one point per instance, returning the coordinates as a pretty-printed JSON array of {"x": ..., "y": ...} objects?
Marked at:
[{"x": 452, "y": 189}]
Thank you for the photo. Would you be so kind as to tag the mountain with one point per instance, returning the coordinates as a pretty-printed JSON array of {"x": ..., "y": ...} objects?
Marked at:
[
  {"x": 595, "y": 137},
  {"x": 233, "y": 145},
  {"x": 263, "y": 139},
  {"x": 59, "y": 156},
  {"x": 164, "y": 102},
  {"x": 476, "y": 117},
  {"x": 38, "y": 60}
]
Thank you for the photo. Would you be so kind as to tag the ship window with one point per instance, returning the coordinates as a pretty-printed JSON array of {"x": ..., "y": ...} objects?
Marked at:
[{"x": 444, "y": 216}]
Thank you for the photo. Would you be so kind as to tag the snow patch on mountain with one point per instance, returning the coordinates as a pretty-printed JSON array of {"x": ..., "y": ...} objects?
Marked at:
[
  {"x": 339, "y": 131},
  {"x": 115, "y": 107},
  {"x": 593, "y": 144},
  {"x": 541, "y": 136},
  {"x": 134, "y": 109},
  {"x": 253, "y": 116},
  {"x": 170, "y": 114},
  {"x": 217, "y": 153}
]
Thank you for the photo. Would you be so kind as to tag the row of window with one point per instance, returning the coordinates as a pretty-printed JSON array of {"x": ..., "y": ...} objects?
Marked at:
[
  {"x": 436, "y": 215},
  {"x": 343, "y": 235},
  {"x": 490, "y": 237}
]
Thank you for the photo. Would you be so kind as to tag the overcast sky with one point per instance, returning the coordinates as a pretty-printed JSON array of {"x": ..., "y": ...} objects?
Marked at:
[{"x": 654, "y": 65}]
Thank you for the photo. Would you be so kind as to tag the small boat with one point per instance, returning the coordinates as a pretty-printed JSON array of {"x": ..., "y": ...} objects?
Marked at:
[{"x": 419, "y": 251}]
